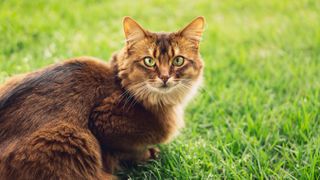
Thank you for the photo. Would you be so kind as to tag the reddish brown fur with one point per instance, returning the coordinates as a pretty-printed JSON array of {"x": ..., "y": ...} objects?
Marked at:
[{"x": 80, "y": 118}]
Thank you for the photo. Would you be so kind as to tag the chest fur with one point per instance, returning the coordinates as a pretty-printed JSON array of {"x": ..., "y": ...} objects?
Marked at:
[
  {"x": 172, "y": 121},
  {"x": 114, "y": 119}
]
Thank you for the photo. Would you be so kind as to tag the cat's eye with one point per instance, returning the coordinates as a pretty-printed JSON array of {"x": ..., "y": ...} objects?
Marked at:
[
  {"x": 178, "y": 61},
  {"x": 149, "y": 61}
]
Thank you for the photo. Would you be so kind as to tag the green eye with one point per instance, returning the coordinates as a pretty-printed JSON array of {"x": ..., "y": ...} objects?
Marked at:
[
  {"x": 178, "y": 61},
  {"x": 149, "y": 61}
]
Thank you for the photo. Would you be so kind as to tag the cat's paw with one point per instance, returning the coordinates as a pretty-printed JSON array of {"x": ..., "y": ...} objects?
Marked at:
[
  {"x": 154, "y": 153},
  {"x": 149, "y": 154}
]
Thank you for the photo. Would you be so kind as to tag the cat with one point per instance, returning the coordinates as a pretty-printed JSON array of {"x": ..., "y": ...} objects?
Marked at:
[{"x": 81, "y": 118}]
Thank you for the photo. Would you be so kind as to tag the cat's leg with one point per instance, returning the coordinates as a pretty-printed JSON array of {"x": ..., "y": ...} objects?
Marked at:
[
  {"x": 59, "y": 151},
  {"x": 112, "y": 159},
  {"x": 140, "y": 155},
  {"x": 111, "y": 162}
]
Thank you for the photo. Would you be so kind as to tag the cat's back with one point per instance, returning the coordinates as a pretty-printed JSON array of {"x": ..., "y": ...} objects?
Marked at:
[{"x": 66, "y": 91}]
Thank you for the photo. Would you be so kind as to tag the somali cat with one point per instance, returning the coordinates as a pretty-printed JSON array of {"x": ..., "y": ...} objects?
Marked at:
[{"x": 79, "y": 119}]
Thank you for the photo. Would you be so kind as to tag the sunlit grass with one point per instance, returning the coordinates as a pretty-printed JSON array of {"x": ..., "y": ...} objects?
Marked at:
[{"x": 257, "y": 115}]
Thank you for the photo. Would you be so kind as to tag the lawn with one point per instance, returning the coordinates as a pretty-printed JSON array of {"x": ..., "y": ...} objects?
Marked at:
[{"x": 258, "y": 113}]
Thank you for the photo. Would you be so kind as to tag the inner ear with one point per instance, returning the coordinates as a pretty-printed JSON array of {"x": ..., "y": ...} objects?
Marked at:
[
  {"x": 193, "y": 30},
  {"x": 132, "y": 30}
]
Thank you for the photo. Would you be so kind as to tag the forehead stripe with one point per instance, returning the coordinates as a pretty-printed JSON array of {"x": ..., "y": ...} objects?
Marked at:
[{"x": 163, "y": 44}]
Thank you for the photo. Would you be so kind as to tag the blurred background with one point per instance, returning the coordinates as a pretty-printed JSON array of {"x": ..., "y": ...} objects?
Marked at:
[{"x": 257, "y": 114}]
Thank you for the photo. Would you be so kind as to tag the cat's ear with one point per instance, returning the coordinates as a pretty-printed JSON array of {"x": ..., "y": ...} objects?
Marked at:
[
  {"x": 193, "y": 30},
  {"x": 132, "y": 30}
]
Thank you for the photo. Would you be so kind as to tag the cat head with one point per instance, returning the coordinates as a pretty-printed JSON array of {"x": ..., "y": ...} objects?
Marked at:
[{"x": 161, "y": 68}]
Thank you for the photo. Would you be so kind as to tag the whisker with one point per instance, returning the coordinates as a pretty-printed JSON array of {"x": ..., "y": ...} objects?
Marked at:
[{"x": 132, "y": 91}]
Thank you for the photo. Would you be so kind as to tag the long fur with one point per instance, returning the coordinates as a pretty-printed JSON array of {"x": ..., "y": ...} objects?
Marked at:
[{"x": 79, "y": 119}]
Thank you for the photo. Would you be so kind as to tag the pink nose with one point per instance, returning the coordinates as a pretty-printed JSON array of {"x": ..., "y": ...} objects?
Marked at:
[{"x": 164, "y": 78}]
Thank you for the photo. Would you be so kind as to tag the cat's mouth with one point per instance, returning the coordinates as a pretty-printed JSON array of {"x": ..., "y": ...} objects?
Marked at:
[{"x": 164, "y": 88}]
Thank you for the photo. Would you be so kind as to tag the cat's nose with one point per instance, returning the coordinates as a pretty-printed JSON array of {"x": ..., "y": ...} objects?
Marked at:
[{"x": 164, "y": 78}]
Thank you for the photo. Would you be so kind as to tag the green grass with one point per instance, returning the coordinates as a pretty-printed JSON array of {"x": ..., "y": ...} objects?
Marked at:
[{"x": 258, "y": 114}]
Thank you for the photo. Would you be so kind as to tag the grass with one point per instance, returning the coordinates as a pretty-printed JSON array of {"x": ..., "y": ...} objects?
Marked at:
[{"x": 258, "y": 114}]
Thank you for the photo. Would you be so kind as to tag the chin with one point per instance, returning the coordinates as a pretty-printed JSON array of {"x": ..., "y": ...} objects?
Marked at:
[
  {"x": 172, "y": 95},
  {"x": 165, "y": 90}
]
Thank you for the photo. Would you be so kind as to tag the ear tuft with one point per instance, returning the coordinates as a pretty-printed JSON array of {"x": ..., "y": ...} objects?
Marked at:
[
  {"x": 132, "y": 30},
  {"x": 194, "y": 30}
]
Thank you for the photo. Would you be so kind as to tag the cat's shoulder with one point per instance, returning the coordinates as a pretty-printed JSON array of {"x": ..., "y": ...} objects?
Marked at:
[
  {"x": 88, "y": 61},
  {"x": 85, "y": 59},
  {"x": 91, "y": 66}
]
